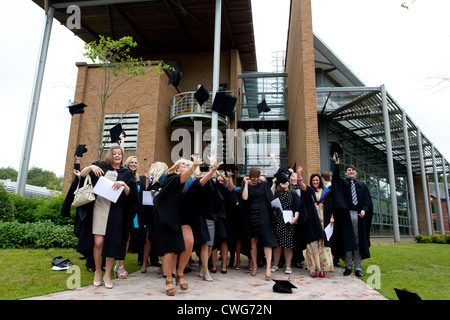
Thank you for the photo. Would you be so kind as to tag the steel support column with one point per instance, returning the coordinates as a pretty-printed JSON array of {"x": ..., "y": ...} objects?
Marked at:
[
  {"x": 438, "y": 192},
  {"x": 390, "y": 163},
  {"x": 426, "y": 196},
  {"x": 444, "y": 173},
  {"x": 32, "y": 113},
  {"x": 412, "y": 196},
  {"x": 216, "y": 74}
]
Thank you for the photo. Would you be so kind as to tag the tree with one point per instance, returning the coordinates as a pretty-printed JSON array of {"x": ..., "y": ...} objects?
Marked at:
[
  {"x": 118, "y": 66},
  {"x": 44, "y": 178},
  {"x": 8, "y": 173}
]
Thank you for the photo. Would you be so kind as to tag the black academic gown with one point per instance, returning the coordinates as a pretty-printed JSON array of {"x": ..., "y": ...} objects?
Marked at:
[
  {"x": 342, "y": 201},
  {"x": 167, "y": 233},
  {"x": 309, "y": 226},
  {"x": 262, "y": 224},
  {"x": 121, "y": 213},
  {"x": 83, "y": 223}
]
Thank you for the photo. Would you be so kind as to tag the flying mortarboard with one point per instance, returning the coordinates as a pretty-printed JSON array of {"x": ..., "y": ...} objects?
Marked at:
[
  {"x": 115, "y": 132},
  {"x": 175, "y": 77},
  {"x": 201, "y": 95},
  {"x": 262, "y": 107},
  {"x": 224, "y": 104},
  {"x": 80, "y": 150},
  {"x": 283, "y": 286},
  {"x": 227, "y": 167},
  {"x": 77, "y": 108},
  {"x": 282, "y": 175},
  {"x": 336, "y": 147}
]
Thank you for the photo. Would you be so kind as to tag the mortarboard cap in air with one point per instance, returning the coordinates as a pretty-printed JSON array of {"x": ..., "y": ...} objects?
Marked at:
[
  {"x": 336, "y": 147},
  {"x": 115, "y": 132},
  {"x": 262, "y": 107},
  {"x": 224, "y": 104},
  {"x": 283, "y": 286},
  {"x": 175, "y": 77},
  {"x": 204, "y": 168},
  {"x": 227, "y": 167},
  {"x": 80, "y": 150},
  {"x": 201, "y": 95},
  {"x": 282, "y": 175},
  {"x": 77, "y": 108}
]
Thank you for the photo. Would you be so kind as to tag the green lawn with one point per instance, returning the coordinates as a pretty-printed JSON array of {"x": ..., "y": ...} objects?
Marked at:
[
  {"x": 420, "y": 268},
  {"x": 417, "y": 267},
  {"x": 27, "y": 273}
]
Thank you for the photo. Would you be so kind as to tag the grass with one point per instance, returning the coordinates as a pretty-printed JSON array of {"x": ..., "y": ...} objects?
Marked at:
[
  {"x": 28, "y": 273},
  {"x": 420, "y": 268}
]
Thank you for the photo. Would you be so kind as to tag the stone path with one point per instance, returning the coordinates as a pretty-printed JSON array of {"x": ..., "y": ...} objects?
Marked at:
[{"x": 235, "y": 285}]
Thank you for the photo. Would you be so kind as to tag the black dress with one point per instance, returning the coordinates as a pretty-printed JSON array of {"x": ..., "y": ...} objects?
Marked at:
[{"x": 259, "y": 213}]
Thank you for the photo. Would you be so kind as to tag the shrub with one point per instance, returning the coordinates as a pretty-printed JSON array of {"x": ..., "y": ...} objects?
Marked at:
[
  {"x": 432, "y": 239},
  {"x": 7, "y": 208},
  {"x": 42, "y": 234}
]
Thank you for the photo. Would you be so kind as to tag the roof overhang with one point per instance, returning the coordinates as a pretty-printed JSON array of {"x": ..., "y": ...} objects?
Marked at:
[{"x": 163, "y": 27}]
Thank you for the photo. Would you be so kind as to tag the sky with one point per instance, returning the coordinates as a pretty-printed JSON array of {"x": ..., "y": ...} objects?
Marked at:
[{"x": 407, "y": 50}]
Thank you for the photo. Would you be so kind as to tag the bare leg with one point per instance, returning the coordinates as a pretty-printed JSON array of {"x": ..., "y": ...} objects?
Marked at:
[
  {"x": 268, "y": 254},
  {"x": 185, "y": 255},
  {"x": 98, "y": 248},
  {"x": 253, "y": 253},
  {"x": 146, "y": 254}
]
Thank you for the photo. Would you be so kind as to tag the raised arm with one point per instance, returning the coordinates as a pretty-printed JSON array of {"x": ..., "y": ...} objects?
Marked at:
[
  {"x": 300, "y": 179},
  {"x": 211, "y": 172}
]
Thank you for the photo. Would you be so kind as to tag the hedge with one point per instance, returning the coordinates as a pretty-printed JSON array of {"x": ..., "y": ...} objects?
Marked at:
[
  {"x": 42, "y": 234},
  {"x": 14, "y": 207},
  {"x": 433, "y": 239}
]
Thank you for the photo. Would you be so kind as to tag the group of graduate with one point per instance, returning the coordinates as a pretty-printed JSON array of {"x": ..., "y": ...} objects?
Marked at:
[{"x": 195, "y": 211}]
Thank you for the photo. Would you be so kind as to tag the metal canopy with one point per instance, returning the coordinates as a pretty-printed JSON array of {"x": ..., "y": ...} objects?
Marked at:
[
  {"x": 162, "y": 27},
  {"x": 358, "y": 110}
]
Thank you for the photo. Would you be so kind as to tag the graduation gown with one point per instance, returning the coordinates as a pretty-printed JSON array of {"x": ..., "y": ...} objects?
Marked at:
[
  {"x": 82, "y": 228},
  {"x": 167, "y": 233},
  {"x": 309, "y": 226},
  {"x": 342, "y": 200},
  {"x": 327, "y": 203},
  {"x": 259, "y": 215}
]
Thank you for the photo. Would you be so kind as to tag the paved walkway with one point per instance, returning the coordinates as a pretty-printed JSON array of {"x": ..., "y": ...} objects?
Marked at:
[{"x": 235, "y": 285}]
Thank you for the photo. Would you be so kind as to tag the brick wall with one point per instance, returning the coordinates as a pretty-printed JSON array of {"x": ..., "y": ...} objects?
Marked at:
[
  {"x": 148, "y": 95},
  {"x": 301, "y": 90}
]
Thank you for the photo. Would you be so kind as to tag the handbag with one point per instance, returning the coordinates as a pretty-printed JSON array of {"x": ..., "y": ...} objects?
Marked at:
[{"x": 85, "y": 194}]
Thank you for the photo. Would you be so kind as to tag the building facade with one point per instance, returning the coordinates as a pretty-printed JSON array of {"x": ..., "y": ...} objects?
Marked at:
[{"x": 314, "y": 99}]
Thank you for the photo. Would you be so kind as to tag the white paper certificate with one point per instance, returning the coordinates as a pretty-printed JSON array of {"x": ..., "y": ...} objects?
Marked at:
[
  {"x": 329, "y": 231},
  {"x": 104, "y": 189},
  {"x": 287, "y": 215},
  {"x": 147, "y": 198},
  {"x": 276, "y": 204}
]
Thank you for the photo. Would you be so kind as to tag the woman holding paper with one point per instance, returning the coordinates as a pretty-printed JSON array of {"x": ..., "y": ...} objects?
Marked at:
[
  {"x": 111, "y": 220},
  {"x": 286, "y": 221},
  {"x": 318, "y": 253}
]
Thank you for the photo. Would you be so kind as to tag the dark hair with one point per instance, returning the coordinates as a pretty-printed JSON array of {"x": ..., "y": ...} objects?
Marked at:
[
  {"x": 350, "y": 166},
  {"x": 254, "y": 172},
  {"x": 318, "y": 176}
]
